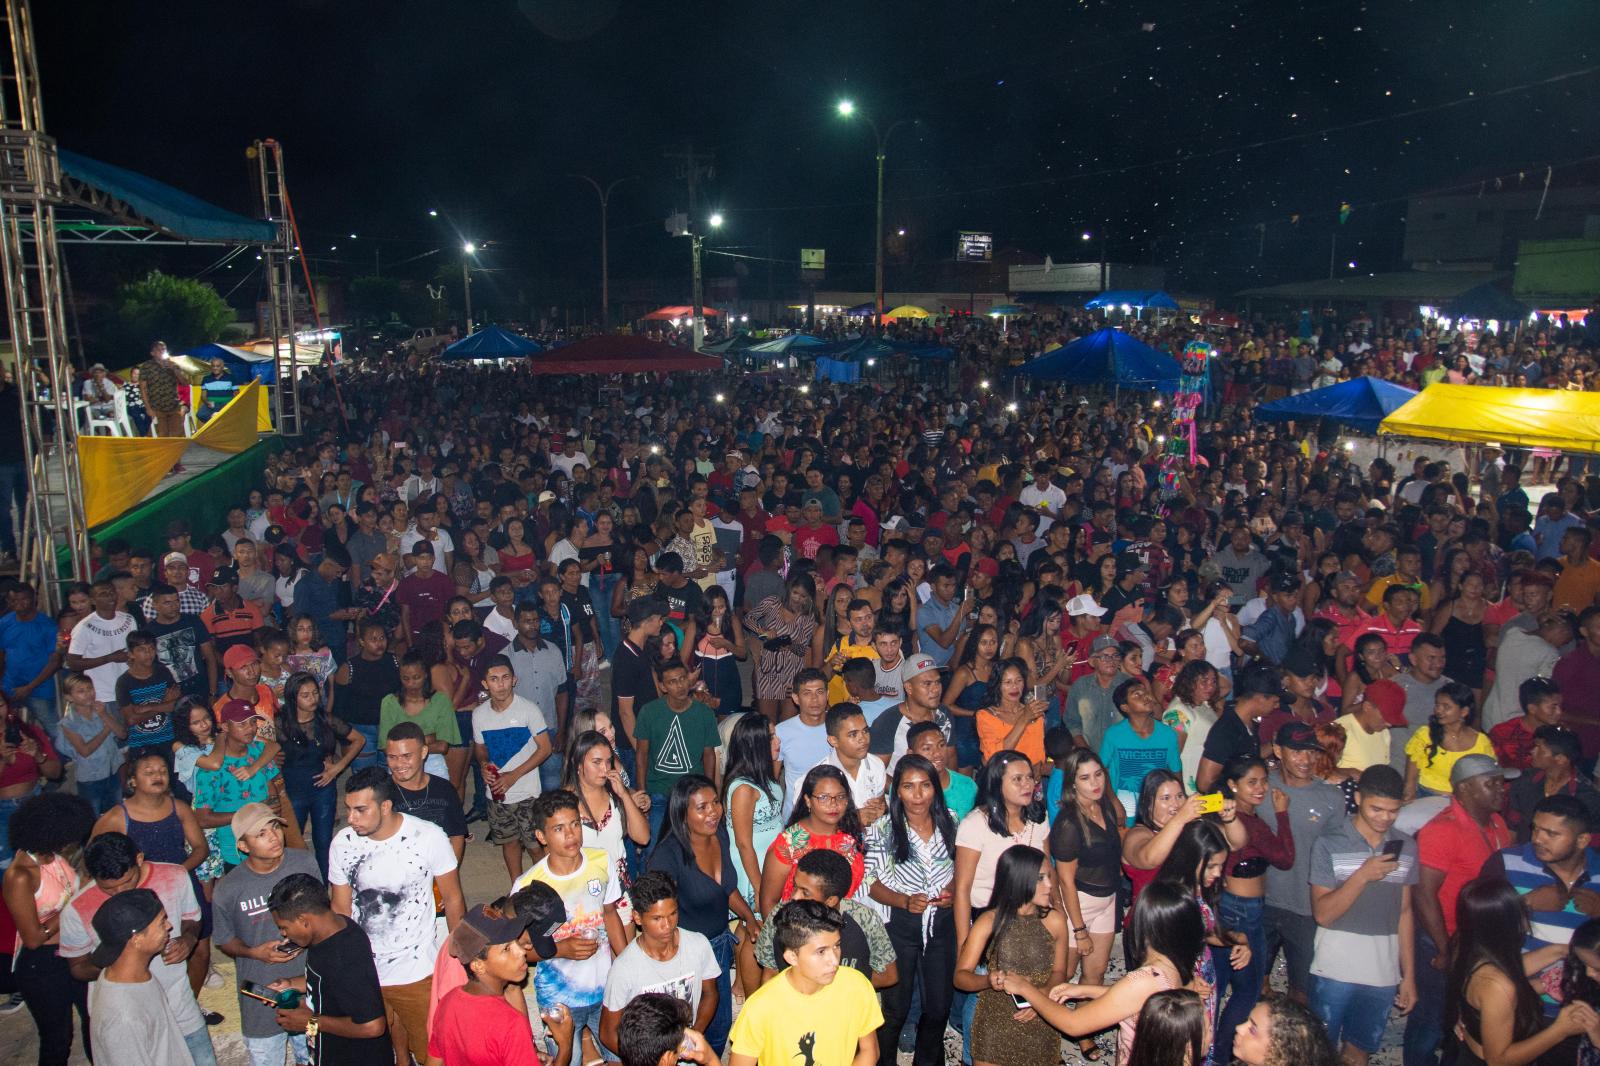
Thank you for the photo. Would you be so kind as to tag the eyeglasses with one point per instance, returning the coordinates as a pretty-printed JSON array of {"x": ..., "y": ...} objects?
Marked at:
[{"x": 829, "y": 799}]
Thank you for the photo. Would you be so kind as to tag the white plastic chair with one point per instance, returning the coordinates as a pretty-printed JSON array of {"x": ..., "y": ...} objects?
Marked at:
[{"x": 117, "y": 423}]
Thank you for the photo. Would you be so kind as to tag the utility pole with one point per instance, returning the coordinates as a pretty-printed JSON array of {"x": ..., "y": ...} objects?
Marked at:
[
  {"x": 692, "y": 167},
  {"x": 605, "y": 265}
]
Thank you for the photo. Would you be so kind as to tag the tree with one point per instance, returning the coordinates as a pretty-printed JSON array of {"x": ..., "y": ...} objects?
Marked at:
[
  {"x": 182, "y": 312},
  {"x": 375, "y": 299}
]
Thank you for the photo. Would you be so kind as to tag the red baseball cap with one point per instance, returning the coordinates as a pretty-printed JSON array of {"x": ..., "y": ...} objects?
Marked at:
[
  {"x": 1390, "y": 699},
  {"x": 237, "y": 711},
  {"x": 237, "y": 656}
]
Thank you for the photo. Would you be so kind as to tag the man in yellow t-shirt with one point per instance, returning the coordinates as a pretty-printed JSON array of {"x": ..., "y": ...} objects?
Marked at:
[
  {"x": 857, "y": 644},
  {"x": 815, "y": 1013}
]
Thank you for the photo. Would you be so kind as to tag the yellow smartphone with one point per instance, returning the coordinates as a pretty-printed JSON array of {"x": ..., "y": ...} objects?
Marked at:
[{"x": 1210, "y": 802}]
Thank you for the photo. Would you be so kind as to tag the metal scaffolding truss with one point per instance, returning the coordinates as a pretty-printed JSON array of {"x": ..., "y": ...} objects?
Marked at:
[{"x": 34, "y": 185}]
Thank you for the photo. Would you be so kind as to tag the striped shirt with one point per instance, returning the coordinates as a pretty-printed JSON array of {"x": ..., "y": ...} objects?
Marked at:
[
  {"x": 1526, "y": 873},
  {"x": 928, "y": 870}
]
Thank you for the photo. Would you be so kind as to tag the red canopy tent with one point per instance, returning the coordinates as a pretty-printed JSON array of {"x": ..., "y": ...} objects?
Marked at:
[
  {"x": 617, "y": 353},
  {"x": 663, "y": 314}
]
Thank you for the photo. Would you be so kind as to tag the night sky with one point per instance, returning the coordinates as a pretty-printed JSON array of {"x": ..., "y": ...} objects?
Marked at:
[{"x": 1182, "y": 128}]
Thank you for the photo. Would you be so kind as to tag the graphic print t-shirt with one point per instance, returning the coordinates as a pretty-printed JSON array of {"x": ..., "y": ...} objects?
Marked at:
[
  {"x": 586, "y": 892},
  {"x": 178, "y": 649},
  {"x": 676, "y": 742},
  {"x": 635, "y": 973},
  {"x": 511, "y": 736},
  {"x": 143, "y": 692},
  {"x": 779, "y": 1024},
  {"x": 391, "y": 893}
]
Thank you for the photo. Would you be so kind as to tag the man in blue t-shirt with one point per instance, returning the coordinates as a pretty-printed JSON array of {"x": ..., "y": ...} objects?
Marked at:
[
  {"x": 1136, "y": 745},
  {"x": 30, "y": 648}
]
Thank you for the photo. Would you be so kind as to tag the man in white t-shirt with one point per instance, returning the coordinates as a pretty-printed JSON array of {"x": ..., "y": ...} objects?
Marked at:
[
  {"x": 1043, "y": 494},
  {"x": 383, "y": 868},
  {"x": 803, "y": 739},
  {"x": 99, "y": 644},
  {"x": 570, "y": 456},
  {"x": 427, "y": 528},
  {"x": 510, "y": 739}
]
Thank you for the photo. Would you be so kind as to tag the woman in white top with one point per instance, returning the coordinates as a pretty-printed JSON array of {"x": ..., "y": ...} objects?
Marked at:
[
  {"x": 1191, "y": 714},
  {"x": 609, "y": 813}
]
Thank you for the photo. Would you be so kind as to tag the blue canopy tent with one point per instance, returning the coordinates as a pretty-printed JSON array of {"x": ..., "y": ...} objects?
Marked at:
[
  {"x": 729, "y": 345},
  {"x": 1137, "y": 299},
  {"x": 1360, "y": 404},
  {"x": 163, "y": 206},
  {"x": 862, "y": 311},
  {"x": 1486, "y": 303},
  {"x": 1107, "y": 357},
  {"x": 491, "y": 342},
  {"x": 785, "y": 345}
]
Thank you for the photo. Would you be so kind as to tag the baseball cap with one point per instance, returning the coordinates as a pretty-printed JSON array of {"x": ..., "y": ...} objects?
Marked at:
[
  {"x": 546, "y": 497},
  {"x": 1301, "y": 662},
  {"x": 1469, "y": 766},
  {"x": 237, "y": 656},
  {"x": 250, "y": 818},
  {"x": 1390, "y": 699},
  {"x": 1295, "y": 736},
  {"x": 177, "y": 528},
  {"x": 541, "y": 905},
  {"x": 119, "y": 919},
  {"x": 1103, "y": 642},
  {"x": 1286, "y": 583},
  {"x": 779, "y": 524},
  {"x": 987, "y": 566},
  {"x": 1083, "y": 604},
  {"x": 1346, "y": 575},
  {"x": 224, "y": 575},
  {"x": 916, "y": 666},
  {"x": 237, "y": 711},
  {"x": 481, "y": 928},
  {"x": 174, "y": 557}
]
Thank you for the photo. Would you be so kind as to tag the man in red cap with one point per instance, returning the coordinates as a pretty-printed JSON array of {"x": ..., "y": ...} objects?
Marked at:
[
  {"x": 218, "y": 793},
  {"x": 1366, "y": 727},
  {"x": 243, "y": 669}
]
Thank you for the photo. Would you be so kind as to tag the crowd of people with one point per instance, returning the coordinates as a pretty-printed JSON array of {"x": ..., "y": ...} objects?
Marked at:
[{"x": 817, "y": 724}]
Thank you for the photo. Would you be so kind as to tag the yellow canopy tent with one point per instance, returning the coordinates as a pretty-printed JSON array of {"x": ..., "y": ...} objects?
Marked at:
[
  {"x": 1482, "y": 414},
  {"x": 906, "y": 311}
]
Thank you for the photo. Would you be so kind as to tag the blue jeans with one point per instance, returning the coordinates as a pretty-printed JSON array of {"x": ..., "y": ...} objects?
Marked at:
[
  {"x": 200, "y": 1049},
  {"x": 964, "y": 734},
  {"x": 313, "y": 803},
  {"x": 13, "y": 491},
  {"x": 268, "y": 1050},
  {"x": 371, "y": 754},
  {"x": 42, "y": 712},
  {"x": 582, "y": 1018},
  {"x": 716, "y": 1033},
  {"x": 1354, "y": 1014},
  {"x": 8, "y": 807},
  {"x": 600, "y": 589},
  {"x": 550, "y": 773},
  {"x": 1425, "y": 1023},
  {"x": 103, "y": 794},
  {"x": 658, "y": 817},
  {"x": 1238, "y": 914}
]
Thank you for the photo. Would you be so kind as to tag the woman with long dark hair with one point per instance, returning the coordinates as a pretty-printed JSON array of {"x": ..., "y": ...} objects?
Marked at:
[
  {"x": 610, "y": 815},
  {"x": 824, "y": 816},
  {"x": 1174, "y": 1029},
  {"x": 969, "y": 691},
  {"x": 718, "y": 649},
  {"x": 1449, "y": 734},
  {"x": 1242, "y": 906},
  {"x": 317, "y": 748},
  {"x": 1196, "y": 864},
  {"x": 785, "y": 625},
  {"x": 911, "y": 866},
  {"x": 753, "y": 799},
  {"x": 1020, "y": 940},
  {"x": 1086, "y": 844},
  {"x": 1168, "y": 936},
  {"x": 694, "y": 849},
  {"x": 1488, "y": 990}
]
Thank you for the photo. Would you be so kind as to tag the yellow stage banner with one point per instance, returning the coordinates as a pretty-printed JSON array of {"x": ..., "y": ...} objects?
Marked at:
[
  {"x": 233, "y": 429},
  {"x": 119, "y": 472},
  {"x": 263, "y": 412}
]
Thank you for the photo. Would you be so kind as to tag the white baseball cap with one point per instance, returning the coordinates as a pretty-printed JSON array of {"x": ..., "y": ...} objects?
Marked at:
[{"x": 1084, "y": 604}]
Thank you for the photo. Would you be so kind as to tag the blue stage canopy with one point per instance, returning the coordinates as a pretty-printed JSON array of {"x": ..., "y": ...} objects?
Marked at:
[
  {"x": 174, "y": 211},
  {"x": 491, "y": 342},
  {"x": 783, "y": 345},
  {"x": 1135, "y": 298},
  {"x": 1360, "y": 404},
  {"x": 1107, "y": 357}
]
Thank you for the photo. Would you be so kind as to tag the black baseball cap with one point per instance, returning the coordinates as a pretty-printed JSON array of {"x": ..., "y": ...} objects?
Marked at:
[
  {"x": 119, "y": 920},
  {"x": 1296, "y": 736}
]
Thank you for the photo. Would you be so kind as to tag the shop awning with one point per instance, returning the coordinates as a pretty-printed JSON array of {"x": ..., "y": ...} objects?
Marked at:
[{"x": 1482, "y": 414}]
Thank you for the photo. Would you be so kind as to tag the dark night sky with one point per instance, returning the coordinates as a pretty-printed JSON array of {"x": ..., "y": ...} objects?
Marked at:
[{"x": 1038, "y": 120}]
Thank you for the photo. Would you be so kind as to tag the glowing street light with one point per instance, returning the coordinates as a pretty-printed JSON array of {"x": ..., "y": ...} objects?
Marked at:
[
  {"x": 715, "y": 220},
  {"x": 471, "y": 249},
  {"x": 847, "y": 108}
]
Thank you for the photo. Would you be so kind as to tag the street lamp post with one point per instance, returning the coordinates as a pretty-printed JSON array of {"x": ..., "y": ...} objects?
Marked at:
[
  {"x": 847, "y": 109},
  {"x": 466, "y": 281},
  {"x": 696, "y": 238},
  {"x": 605, "y": 268}
]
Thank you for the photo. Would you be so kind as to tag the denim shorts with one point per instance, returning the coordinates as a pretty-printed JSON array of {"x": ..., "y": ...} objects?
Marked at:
[{"x": 1354, "y": 1014}]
